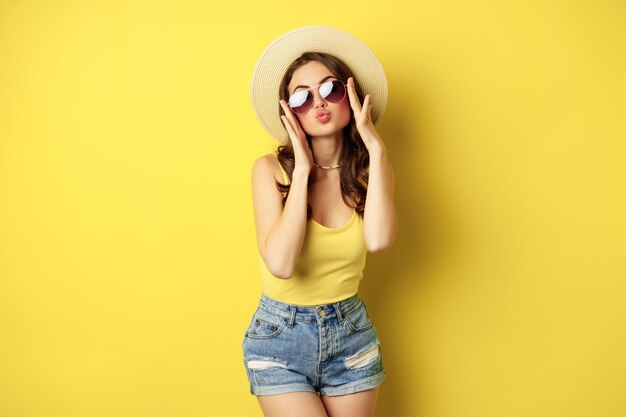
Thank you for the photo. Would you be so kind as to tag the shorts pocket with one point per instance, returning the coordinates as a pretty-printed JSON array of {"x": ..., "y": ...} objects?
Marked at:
[
  {"x": 265, "y": 325},
  {"x": 358, "y": 318}
]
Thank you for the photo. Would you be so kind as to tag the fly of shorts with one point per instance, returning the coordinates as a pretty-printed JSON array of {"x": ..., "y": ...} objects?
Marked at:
[{"x": 331, "y": 349}]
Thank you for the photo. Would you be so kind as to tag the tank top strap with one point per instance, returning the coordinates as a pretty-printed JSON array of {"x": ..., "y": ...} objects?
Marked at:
[{"x": 285, "y": 177}]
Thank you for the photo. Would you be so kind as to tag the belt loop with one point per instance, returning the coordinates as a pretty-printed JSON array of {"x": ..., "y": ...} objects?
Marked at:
[
  {"x": 292, "y": 315},
  {"x": 338, "y": 310}
]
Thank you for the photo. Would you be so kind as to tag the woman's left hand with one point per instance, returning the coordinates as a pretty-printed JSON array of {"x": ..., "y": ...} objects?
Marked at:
[{"x": 363, "y": 118}]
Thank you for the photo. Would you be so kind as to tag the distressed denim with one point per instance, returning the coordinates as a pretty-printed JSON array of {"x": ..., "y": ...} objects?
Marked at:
[{"x": 331, "y": 349}]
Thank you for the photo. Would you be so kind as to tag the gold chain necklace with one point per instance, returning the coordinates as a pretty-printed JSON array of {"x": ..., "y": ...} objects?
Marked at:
[{"x": 326, "y": 167}]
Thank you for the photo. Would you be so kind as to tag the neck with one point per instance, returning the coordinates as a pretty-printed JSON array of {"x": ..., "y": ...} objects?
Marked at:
[{"x": 327, "y": 149}]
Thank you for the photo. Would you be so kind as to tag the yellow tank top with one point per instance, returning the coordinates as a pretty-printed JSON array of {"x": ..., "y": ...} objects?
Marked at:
[{"x": 329, "y": 268}]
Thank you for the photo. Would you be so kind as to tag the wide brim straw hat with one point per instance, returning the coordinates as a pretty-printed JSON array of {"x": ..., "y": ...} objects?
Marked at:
[{"x": 282, "y": 51}]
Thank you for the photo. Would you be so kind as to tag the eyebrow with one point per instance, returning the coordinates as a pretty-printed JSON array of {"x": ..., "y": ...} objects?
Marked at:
[{"x": 321, "y": 81}]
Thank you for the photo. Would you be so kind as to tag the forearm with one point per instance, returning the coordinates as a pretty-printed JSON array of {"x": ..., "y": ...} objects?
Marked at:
[
  {"x": 379, "y": 221},
  {"x": 284, "y": 241}
]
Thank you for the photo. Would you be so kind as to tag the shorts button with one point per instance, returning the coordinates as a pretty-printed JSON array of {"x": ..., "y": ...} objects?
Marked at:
[{"x": 322, "y": 313}]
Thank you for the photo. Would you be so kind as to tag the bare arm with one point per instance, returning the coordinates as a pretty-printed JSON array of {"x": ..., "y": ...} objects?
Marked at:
[
  {"x": 280, "y": 231},
  {"x": 379, "y": 217}
]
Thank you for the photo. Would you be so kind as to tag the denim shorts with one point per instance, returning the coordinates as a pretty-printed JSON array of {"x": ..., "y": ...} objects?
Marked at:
[{"x": 330, "y": 349}]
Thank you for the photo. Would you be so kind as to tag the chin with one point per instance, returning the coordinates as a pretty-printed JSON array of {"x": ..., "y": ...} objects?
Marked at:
[
  {"x": 327, "y": 129},
  {"x": 323, "y": 132}
]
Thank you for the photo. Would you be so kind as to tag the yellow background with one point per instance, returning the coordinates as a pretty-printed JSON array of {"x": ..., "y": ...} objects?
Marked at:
[{"x": 128, "y": 259}]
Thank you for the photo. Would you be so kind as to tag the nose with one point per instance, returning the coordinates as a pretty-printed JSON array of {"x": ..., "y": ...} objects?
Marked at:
[{"x": 318, "y": 101}]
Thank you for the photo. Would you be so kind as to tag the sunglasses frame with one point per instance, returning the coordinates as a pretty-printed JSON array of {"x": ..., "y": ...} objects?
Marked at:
[{"x": 317, "y": 87}]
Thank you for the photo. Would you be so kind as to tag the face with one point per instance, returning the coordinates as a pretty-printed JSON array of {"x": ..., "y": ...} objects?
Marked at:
[{"x": 311, "y": 75}]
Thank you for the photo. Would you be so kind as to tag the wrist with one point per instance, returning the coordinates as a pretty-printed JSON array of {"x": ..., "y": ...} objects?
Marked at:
[
  {"x": 301, "y": 173},
  {"x": 378, "y": 152}
]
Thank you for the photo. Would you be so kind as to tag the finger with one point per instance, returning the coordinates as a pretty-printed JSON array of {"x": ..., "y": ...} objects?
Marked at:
[
  {"x": 288, "y": 112},
  {"x": 367, "y": 104},
  {"x": 363, "y": 116},
  {"x": 287, "y": 126},
  {"x": 294, "y": 137},
  {"x": 291, "y": 117},
  {"x": 354, "y": 99}
]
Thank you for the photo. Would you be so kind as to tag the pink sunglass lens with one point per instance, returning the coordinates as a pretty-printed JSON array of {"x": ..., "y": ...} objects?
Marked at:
[
  {"x": 306, "y": 104},
  {"x": 336, "y": 94}
]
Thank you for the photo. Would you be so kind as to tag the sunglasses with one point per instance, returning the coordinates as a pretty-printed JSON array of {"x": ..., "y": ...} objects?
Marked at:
[{"x": 302, "y": 100}]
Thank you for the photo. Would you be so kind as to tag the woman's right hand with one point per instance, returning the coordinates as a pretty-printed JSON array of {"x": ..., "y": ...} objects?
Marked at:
[{"x": 301, "y": 149}]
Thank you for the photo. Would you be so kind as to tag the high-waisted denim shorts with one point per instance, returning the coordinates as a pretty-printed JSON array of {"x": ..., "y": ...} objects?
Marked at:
[{"x": 331, "y": 349}]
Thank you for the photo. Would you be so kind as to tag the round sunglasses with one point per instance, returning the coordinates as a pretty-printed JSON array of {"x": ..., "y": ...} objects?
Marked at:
[{"x": 302, "y": 100}]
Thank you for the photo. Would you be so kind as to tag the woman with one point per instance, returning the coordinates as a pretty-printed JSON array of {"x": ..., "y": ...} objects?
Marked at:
[{"x": 320, "y": 204}]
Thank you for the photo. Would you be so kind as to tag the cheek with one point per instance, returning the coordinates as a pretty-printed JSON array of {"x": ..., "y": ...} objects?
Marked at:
[
  {"x": 346, "y": 112},
  {"x": 304, "y": 122}
]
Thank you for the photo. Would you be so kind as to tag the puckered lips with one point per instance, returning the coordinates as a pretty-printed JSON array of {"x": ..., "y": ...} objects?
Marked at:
[{"x": 322, "y": 115}]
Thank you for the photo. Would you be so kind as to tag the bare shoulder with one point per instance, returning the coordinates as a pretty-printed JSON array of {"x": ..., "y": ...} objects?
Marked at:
[{"x": 266, "y": 165}]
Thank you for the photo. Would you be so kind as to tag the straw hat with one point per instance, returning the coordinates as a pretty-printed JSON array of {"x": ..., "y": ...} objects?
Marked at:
[{"x": 282, "y": 51}]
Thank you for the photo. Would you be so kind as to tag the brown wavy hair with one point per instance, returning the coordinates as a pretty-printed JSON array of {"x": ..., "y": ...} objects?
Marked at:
[{"x": 354, "y": 157}]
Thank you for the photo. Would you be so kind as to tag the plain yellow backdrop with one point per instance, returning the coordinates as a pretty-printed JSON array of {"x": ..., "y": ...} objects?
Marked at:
[{"x": 128, "y": 259}]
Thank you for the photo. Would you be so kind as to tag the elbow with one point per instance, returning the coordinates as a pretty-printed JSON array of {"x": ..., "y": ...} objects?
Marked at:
[
  {"x": 277, "y": 265},
  {"x": 280, "y": 270},
  {"x": 379, "y": 240},
  {"x": 282, "y": 274},
  {"x": 380, "y": 246}
]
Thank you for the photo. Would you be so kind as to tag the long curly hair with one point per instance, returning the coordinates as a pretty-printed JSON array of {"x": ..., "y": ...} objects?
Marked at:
[{"x": 354, "y": 156}]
